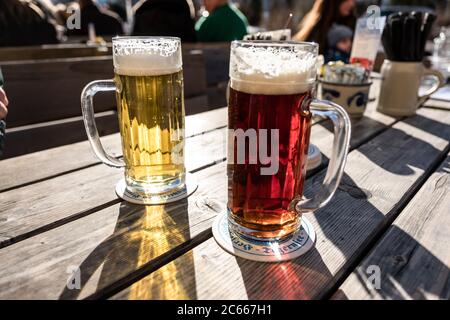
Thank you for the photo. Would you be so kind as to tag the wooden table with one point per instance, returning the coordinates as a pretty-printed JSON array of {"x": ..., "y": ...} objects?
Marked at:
[{"x": 60, "y": 219}]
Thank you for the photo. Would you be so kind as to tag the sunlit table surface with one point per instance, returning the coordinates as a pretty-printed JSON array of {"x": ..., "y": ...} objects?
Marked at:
[{"x": 64, "y": 234}]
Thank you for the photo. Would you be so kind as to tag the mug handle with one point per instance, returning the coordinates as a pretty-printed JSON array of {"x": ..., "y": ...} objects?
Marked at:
[
  {"x": 87, "y": 107},
  {"x": 439, "y": 82},
  {"x": 341, "y": 142}
]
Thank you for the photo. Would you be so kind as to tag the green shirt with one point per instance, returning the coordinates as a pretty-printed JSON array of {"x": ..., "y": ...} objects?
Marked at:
[{"x": 225, "y": 23}]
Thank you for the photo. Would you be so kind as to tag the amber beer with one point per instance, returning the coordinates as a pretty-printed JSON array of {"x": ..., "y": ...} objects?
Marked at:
[
  {"x": 151, "y": 120},
  {"x": 266, "y": 202},
  {"x": 268, "y": 92}
]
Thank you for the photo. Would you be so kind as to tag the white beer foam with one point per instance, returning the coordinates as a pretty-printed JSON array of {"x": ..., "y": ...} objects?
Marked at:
[
  {"x": 145, "y": 65},
  {"x": 146, "y": 56},
  {"x": 272, "y": 71}
]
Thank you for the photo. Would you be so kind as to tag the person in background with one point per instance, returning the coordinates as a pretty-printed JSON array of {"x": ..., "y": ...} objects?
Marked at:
[
  {"x": 24, "y": 23},
  {"x": 165, "y": 18},
  {"x": 224, "y": 22},
  {"x": 3, "y": 112},
  {"x": 317, "y": 22},
  {"x": 107, "y": 23},
  {"x": 3, "y": 104},
  {"x": 339, "y": 42},
  {"x": 252, "y": 10}
]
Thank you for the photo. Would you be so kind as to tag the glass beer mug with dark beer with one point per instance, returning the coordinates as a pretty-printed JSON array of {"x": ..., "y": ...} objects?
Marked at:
[
  {"x": 270, "y": 108},
  {"x": 148, "y": 82}
]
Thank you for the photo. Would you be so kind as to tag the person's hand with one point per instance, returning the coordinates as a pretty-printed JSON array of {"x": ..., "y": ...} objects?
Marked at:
[{"x": 3, "y": 104}]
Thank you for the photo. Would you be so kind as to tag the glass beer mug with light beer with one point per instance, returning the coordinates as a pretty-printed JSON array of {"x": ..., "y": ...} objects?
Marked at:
[
  {"x": 148, "y": 81},
  {"x": 270, "y": 108}
]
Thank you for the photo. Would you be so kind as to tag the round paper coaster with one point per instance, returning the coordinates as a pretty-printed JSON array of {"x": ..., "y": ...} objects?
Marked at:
[
  {"x": 314, "y": 157},
  {"x": 289, "y": 248},
  {"x": 190, "y": 187}
]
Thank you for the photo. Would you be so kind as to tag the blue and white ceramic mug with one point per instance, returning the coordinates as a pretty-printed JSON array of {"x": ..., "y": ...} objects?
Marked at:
[{"x": 353, "y": 97}]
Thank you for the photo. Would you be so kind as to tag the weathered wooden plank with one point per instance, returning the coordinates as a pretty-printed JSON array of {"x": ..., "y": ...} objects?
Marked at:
[
  {"x": 201, "y": 150},
  {"x": 194, "y": 73},
  {"x": 217, "y": 63},
  {"x": 53, "y": 86},
  {"x": 217, "y": 95},
  {"x": 41, "y": 165},
  {"x": 41, "y": 205},
  {"x": 37, "y": 137},
  {"x": 79, "y": 49},
  {"x": 440, "y": 104},
  {"x": 321, "y": 137},
  {"x": 370, "y": 125},
  {"x": 45, "y": 135},
  {"x": 106, "y": 246},
  {"x": 413, "y": 256},
  {"x": 53, "y": 51},
  {"x": 144, "y": 232},
  {"x": 196, "y": 104},
  {"x": 11, "y": 181},
  {"x": 219, "y": 141},
  {"x": 65, "y": 159},
  {"x": 378, "y": 177}
]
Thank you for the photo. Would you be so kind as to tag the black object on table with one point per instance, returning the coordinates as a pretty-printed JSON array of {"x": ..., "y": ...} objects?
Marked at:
[{"x": 405, "y": 34}]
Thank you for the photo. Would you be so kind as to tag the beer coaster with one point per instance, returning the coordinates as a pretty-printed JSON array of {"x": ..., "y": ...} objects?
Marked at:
[
  {"x": 314, "y": 157},
  {"x": 291, "y": 247},
  {"x": 190, "y": 187}
]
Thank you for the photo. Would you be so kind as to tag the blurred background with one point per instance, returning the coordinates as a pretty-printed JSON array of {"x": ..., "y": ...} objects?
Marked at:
[
  {"x": 50, "y": 49},
  {"x": 261, "y": 15}
]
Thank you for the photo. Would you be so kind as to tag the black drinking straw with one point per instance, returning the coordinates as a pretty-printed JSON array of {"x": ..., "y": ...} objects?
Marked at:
[
  {"x": 409, "y": 39},
  {"x": 429, "y": 19},
  {"x": 418, "y": 35},
  {"x": 405, "y": 35},
  {"x": 396, "y": 38},
  {"x": 386, "y": 40}
]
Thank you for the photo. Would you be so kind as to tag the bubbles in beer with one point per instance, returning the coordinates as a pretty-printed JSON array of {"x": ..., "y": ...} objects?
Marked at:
[{"x": 149, "y": 82}]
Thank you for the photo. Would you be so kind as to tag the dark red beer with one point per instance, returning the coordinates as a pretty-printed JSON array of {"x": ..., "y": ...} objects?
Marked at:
[{"x": 266, "y": 203}]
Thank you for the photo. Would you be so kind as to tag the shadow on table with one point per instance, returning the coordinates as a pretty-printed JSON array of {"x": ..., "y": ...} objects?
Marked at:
[
  {"x": 141, "y": 234},
  {"x": 364, "y": 128},
  {"x": 292, "y": 279},
  {"x": 395, "y": 139},
  {"x": 407, "y": 271}
]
